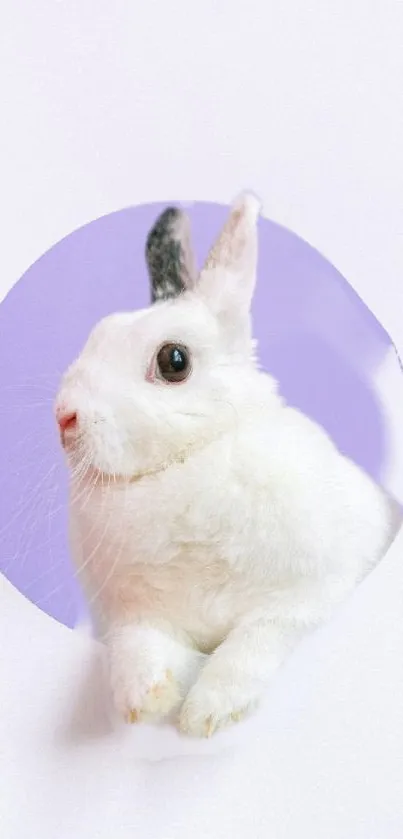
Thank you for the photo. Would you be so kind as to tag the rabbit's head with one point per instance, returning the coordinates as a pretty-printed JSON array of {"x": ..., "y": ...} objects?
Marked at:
[{"x": 151, "y": 386}]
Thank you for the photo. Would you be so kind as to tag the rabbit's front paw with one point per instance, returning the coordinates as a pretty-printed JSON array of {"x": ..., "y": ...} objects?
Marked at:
[
  {"x": 209, "y": 708},
  {"x": 142, "y": 696}
]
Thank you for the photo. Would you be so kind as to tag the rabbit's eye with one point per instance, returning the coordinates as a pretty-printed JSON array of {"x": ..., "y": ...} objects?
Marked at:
[{"x": 173, "y": 363}]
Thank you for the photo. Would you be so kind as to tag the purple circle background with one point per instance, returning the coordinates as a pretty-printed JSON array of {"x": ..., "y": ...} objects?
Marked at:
[{"x": 315, "y": 336}]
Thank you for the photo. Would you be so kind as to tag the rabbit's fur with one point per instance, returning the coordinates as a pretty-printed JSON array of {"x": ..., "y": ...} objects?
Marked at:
[
  {"x": 208, "y": 518},
  {"x": 169, "y": 255}
]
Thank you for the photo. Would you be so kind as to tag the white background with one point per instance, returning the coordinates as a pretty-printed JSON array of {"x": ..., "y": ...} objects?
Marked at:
[{"x": 108, "y": 104}]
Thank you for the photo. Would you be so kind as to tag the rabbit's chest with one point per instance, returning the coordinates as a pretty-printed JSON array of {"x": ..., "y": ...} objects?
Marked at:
[
  {"x": 173, "y": 568},
  {"x": 197, "y": 596}
]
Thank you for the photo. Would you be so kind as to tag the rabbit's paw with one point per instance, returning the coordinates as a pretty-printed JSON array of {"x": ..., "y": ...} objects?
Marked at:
[
  {"x": 208, "y": 709},
  {"x": 143, "y": 697}
]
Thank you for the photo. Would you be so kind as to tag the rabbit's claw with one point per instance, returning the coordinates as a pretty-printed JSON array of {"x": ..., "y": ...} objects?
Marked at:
[
  {"x": 138, "y": 699},
  {"x": 206, "y": 711}
]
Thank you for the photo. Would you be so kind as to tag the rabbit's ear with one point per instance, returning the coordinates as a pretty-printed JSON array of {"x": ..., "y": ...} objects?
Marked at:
[
  {"x": 228, "y": 278},
  {"x": 169, "y": 255}
]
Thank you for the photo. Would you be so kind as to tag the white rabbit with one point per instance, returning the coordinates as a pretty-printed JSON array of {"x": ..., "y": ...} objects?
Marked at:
[{"x": 207, "y": 516}]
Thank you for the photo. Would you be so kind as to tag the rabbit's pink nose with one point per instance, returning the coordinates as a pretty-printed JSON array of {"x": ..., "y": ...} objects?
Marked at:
[{"x": 67, "y": 421}]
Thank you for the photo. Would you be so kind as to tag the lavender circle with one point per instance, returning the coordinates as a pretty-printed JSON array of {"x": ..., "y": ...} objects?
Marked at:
[{"x": 315, "y": 336}]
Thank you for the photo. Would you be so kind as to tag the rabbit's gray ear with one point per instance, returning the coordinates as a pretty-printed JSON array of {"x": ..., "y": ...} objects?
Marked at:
[{"x": 169, "y": 255}]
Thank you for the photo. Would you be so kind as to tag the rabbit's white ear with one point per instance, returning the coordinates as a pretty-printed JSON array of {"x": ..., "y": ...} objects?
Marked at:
[
  {"x": 169, "y": 255},
  {"x": 228, "y": 278}
]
